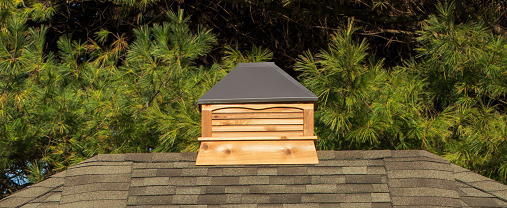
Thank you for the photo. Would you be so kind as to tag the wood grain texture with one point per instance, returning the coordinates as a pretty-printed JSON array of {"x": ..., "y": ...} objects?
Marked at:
[
  {"x": 258, "y": 128},
  {"x": 308, "y": 122},
  {"x": 256, "y": 115},
  {"x": 213, "y": 107},
  {"x": 257, "y": 152},
  {"x": 206, "y": 123},
  {"x": 231, "y": 122},
  {"x": 257, "y": 134},
  {"x": 268, "y": 110},
  {"x": 256, "y": 138}
]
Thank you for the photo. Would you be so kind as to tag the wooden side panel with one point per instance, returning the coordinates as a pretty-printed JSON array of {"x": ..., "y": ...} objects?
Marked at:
[
  {"x": 257, "y": 152},
  {"x": 258, "y": 128},
  {"x": 256, "y": 115},
  {"x": 206, "y": 123},
  {"x": 231, "y": 122},
  {"x": 308, "y": 122},
  {"x": 258, "y": 134}
]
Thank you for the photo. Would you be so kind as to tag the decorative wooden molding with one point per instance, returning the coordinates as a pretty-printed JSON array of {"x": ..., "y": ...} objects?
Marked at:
[
  {"x": 256, "y": 138},
  {"x": 213, "y": 107}
]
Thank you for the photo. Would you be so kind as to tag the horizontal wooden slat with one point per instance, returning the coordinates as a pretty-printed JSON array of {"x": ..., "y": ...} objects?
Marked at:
[
  {"x": 258, "y": 128},
  {"x": 256, "y": 121},
  {"x": 256, "y": 138},
  {"x": 257, "y": 152},
  {"x": 258, "y": 106},
  {"x": 269, "y": 110},
  {"x": 256, "y": 115},
  {"x": 257, "y": 134}
]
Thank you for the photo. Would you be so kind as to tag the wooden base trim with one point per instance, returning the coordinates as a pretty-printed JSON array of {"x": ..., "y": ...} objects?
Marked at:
[
  {"x": 257, "y": 152},
  {"x": 255, "y": 138}
]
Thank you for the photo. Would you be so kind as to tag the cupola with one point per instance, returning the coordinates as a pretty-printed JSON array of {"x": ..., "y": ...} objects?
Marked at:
[{"x": 257, "y": 114}]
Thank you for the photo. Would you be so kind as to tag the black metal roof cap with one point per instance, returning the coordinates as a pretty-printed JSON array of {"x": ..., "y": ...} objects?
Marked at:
[{"x": 261, "y": 82}]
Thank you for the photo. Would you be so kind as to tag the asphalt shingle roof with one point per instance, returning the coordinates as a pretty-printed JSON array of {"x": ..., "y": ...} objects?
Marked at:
[{"x": 375, "y": 179}]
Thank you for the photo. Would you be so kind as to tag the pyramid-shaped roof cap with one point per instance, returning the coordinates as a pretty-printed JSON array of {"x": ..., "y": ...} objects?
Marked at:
[{"x": 257, "y": 83}]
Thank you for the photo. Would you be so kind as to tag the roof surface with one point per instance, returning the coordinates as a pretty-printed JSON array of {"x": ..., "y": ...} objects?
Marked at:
[
  {"x": 257, "y": 83},
  {"x": 342, "y": 179}
]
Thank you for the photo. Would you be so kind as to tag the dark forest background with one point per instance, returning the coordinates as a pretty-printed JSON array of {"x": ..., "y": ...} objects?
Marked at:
[{"x": 81, "y": 78}]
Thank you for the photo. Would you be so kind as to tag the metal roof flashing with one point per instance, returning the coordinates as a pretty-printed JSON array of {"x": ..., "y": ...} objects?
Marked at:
[{"x": 257, "y": 83}]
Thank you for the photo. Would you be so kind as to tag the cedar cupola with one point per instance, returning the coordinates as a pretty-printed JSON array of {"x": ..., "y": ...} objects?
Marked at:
[{"x": 257, "y": 114}]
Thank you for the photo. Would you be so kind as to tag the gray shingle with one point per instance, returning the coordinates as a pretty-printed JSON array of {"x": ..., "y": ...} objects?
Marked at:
[
  {"x": 255, "y": 199},
  {"x": 481, "y": 202},
  {"x": 50, "y": 182},
  {"x": 97, "y": 195},
  {"x": 500, "y": 194},
  {"x": 326, "y": 155},
  {"x": 473, "y": 192},
  {"x": 181, "y": 190},
  {"x": 141, "y": 173},
  {"x": 99, "y": 170},
  {"x": 321, "y": 188},
  {"x": 376, "y": 171},
  {"x": 253, "y": 180},
  {"x": 267, "y": 189},
  {"x": 94, "y": 203},
  {"x": 233, "y": 198},
  {"x": 214, "y": 189},
  {"x": 195, "y": 172},
  {"x": 169, "y": 172},
  {"x": 422, "y": 182},
  {"x": 376, "y": 154},
  {"x": 234, "y": 180},
  {"x": 417, "y": 165},
  {"x": 381, "y": 205},
  {"x": 424, "y": 191},
  {"x": 355, "y": 170},
  {"x": 427, "y": 201},
  {"x": 292, "y": 171},
  {"x": 354, "y": 188},
  {"x": 488, "y": 185},
  {"x": 185, "y": 199},
  {"x": 89, "y": 179},
  {"x": 325, "y": 170},
  {"x": 322, "y": 198},
  {"x": 349, "y": 155},
  {"x": 68, "y": 190},
  {"x": 343, "y": 163},
  {"x": 363, "y": 179},
  {"x": 111, "y": 157},
  {"x": 204, "y": 181},
  {"x": 285, "y": 198},
  {"x": 267, "y": 171},
  {"x": 237, "y": 189},
  {"x": 152, "y": 200},
  {"x": 435, "y": 174},
  {"x": 239, "y": 171},
  {"x": 179, "y": 181},
  {"x": 332, "y": 179},
  {"x": 380, "y": 197},
  {"x": 14, "y": 201},
  {"x": 139, "y": 157},
  {"x": 33, "y": 191}
]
